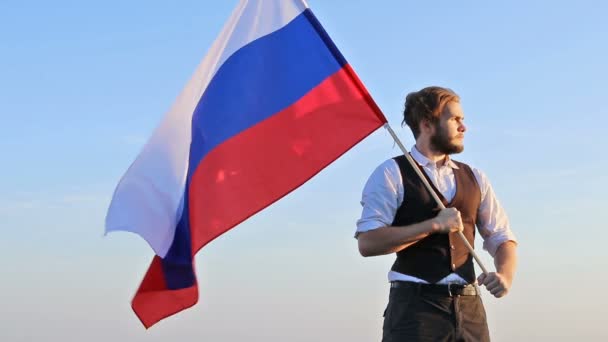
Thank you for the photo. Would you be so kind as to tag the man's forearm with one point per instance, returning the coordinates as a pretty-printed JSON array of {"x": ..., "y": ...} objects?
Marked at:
[
  {"x": 387, "y": 240},
  {"x": 505, "y": 260}
]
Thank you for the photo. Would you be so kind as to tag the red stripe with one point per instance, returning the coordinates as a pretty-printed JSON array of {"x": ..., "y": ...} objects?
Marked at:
[
  {"x": 252, "y": 170},
  {"x": 153, "y": 301}
]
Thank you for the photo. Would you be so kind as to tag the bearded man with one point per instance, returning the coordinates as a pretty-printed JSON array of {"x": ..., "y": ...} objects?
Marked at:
[{"x": 434, "y": 292}]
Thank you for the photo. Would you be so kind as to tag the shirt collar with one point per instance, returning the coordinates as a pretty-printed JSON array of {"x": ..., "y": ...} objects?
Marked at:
[{"x": 424, "y": 161}]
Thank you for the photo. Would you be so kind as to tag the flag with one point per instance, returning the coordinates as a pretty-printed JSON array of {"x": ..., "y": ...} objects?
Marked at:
[{"x": 272, "y": 104}]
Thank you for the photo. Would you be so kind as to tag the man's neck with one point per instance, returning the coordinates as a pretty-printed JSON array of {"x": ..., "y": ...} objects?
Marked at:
[{"x": 436, "y": 157}]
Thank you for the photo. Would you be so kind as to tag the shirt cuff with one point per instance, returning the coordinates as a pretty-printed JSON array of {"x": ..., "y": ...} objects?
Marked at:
[
  {"x": 492, "y": 242},
  {"x": 367, "y": 225}
]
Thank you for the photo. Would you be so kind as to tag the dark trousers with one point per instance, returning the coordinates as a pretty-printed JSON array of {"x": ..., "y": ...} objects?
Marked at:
[{"x": 413, "y": 314}]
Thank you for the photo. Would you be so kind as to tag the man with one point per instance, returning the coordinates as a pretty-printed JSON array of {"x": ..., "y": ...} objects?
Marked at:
[{"x": 433, "y": 293}]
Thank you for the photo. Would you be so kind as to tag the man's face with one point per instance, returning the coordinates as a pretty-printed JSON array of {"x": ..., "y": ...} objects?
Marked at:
[{"x": 448, "y": 136}]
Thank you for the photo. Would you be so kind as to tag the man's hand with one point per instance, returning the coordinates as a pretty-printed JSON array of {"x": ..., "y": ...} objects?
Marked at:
[
  {"x": 447, "y": 221},
  {"x": 498, "y": 284}
]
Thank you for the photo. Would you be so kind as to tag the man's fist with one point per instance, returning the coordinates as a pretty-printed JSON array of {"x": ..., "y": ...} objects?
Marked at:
[
  {"x": 496, "y": 283},
  {"x": 448, "y": 220}
]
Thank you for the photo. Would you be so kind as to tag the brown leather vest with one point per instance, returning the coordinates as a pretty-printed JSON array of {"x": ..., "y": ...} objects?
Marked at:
[{"x": 437, "y": 255}]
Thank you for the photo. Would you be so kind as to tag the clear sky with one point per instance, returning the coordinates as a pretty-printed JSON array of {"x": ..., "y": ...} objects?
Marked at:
[{"x": 84, "y": 83}]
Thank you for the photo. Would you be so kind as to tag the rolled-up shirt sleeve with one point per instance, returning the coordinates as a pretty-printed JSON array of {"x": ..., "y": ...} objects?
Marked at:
[
  {"x": 382, "y": 196},
  {"x": 492, "y": 221}
]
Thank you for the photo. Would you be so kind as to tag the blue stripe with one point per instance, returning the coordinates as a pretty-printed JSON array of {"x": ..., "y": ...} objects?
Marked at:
[
  {"x": 326, "y": 39},
  {"x": 177, "y": 264},
  {"x": 259, "y": 80},
  {"x": 256, "y": 82}
]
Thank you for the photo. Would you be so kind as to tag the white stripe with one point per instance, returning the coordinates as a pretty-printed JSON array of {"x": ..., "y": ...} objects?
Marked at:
[{"x": 149, "y": 197}]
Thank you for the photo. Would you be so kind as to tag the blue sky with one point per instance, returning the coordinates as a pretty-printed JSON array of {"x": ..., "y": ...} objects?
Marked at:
[{"x": 84, "y": 84}]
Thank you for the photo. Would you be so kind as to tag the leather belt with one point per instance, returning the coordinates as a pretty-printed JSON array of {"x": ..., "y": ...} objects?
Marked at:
[{"x": 448, "y": 290}]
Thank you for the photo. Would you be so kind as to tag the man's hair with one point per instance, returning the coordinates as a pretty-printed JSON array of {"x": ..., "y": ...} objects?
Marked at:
[{"x": 426, "y": 104}]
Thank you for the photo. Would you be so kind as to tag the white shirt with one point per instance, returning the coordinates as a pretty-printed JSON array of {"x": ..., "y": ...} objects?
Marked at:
[{"x": 383, "y": 195}]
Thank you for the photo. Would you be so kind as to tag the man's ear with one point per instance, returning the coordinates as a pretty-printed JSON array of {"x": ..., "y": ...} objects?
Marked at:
[{"x": 426, "y": 126}]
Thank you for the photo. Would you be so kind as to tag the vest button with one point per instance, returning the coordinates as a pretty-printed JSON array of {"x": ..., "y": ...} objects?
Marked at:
[
  {"x": 453, "y": 267},
  {"x": 452, "y": 247}
]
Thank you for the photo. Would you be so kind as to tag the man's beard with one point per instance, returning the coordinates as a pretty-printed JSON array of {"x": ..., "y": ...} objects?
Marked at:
[{"x": 440, "y": 142}]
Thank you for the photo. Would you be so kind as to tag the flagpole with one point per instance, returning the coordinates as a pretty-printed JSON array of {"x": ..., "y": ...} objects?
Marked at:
[{"x": 430, "y": 189}]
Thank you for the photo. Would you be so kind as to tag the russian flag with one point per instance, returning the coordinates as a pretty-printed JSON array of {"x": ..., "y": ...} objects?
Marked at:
[{"x": 272, "y": 104}]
